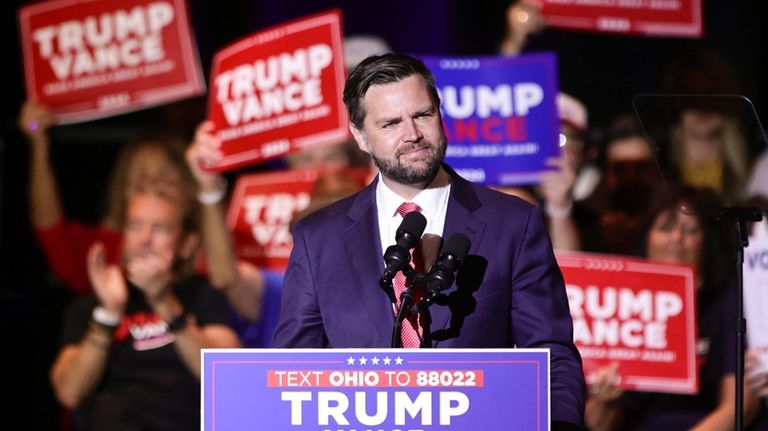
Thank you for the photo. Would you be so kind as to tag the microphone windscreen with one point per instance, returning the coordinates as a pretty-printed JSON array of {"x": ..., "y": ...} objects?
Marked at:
[
  {"x": 413, "y": 223},
  {"x": 457, "y": 245}
]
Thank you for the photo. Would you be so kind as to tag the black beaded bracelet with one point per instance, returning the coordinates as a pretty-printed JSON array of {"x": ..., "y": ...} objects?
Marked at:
[
  {"x": 179, "y": 322},
  {"x": 102, "y": 329}
]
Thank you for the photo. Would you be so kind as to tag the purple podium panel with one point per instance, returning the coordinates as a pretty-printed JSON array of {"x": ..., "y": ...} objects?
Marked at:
[{"x": 375, "y": 389}]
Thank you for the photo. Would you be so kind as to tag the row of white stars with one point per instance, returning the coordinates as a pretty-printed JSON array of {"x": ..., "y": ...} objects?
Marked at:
[{"x": 374, "y": 360}]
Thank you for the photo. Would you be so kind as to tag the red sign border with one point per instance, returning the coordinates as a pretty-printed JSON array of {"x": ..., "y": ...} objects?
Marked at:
[
  {"x": 689, "y": 384},
  {"x": 195, "y": 84},
  {"x": 331, "y": 17},
  {"x": 694, "y": 28},
  {"x": 260, "y": 179}
]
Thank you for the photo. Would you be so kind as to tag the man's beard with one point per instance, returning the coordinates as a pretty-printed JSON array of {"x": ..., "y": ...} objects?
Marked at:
[{"x": 415, "y": 173}]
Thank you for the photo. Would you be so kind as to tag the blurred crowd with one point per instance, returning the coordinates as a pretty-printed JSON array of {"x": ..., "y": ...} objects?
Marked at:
[{"x": 160, "y": 267}]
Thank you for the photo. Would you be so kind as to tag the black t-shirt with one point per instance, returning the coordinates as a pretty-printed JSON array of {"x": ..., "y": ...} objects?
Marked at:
[
  {"x": 146, "y": 386},
  {"x": 716, "y": 358}
]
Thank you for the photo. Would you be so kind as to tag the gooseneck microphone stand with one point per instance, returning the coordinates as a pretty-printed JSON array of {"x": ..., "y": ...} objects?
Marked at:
[
  {"x": 406, "y": 303},
  {"x": 408, "y": 306},
  {"x": 439, "y": 278}
]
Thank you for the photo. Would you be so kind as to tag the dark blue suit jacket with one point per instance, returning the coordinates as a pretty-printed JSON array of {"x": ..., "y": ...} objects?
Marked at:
[{"x": 331, "y": 295}]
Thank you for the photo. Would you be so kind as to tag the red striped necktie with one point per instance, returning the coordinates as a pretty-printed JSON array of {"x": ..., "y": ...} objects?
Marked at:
[{"x": 412, "y": 330}]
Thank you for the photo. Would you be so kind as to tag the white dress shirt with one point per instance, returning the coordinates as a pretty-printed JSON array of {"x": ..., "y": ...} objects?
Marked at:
[{"x": 433, "y": 203}]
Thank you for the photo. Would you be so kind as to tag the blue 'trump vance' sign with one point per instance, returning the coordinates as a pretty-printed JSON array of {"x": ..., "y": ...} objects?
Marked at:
[{"x": 499, "y": 115}]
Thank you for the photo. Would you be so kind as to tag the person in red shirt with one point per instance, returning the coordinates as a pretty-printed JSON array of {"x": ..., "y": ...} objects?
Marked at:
[{"x": 65, "y": 242}]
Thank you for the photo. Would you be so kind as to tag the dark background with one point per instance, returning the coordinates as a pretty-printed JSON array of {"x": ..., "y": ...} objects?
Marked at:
[{"x": 604, "y": 71}]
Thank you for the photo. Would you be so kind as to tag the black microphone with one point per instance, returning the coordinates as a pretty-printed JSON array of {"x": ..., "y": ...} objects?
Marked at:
[
  {"x": 442, "y": 273},
  {"x": 398, "y": 256}
]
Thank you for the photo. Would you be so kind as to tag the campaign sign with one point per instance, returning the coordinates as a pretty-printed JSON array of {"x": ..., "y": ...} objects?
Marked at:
[
  {"x": 639, "y": 314},
  {"x": 499, "y": 116},
  {"x": 279, "y": 90},
  {"x": 263, "y": 206},
  {"x": 91, "y": 59},
  {"x": 675, "y": 18},
  {"x": 375, "y": 389},
  {"x": 756, "y": 295}
]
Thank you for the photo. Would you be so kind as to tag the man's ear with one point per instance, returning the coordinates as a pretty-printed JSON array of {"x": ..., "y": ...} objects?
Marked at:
[
  {"x": 189, "y": 245},
  {"x": 359, "y": 136}
]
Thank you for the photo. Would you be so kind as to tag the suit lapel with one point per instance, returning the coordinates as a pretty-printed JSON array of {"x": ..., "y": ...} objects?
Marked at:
[
  {"x": 459, "y": 218},
  {"x": 362, "y": 243}
]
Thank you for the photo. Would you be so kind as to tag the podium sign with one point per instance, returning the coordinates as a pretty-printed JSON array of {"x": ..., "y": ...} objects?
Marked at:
[{"x": 382, "y": 389}]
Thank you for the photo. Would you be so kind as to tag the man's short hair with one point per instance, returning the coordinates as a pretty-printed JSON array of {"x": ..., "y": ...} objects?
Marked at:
[{"x": 380, "y": 70}]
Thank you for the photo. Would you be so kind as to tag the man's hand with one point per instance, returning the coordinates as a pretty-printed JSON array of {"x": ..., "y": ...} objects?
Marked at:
[{"x": 107, "y": 280}]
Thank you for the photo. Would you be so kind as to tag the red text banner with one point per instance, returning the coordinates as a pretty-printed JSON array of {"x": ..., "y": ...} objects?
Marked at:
[
  {"x": 374, "y": 378},
  {"x": 635, "y": 313},
  {"x": 279, "y": 91},
  {"x": 95, "y": 58},
  {"x": 675, "y": 18},
  {"x": 263, "y": 206}
]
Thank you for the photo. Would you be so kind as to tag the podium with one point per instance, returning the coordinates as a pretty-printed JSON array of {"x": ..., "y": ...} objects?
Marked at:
[{"x": 375, "y": 389}]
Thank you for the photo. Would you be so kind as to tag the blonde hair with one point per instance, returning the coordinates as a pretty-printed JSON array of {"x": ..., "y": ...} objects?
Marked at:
[
  {"x": 733, "y": 153},
  {"x": 155, "y": 164}
]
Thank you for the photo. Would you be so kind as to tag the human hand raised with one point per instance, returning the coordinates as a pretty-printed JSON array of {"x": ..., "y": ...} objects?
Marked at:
[
  {"x": 605, "y": 388},
  {"x": 34, "y": 121},
  {"x": 205, "y": 150},
  {"x": 524, "y": 18},
  {"x": 556, "y": 186}
]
